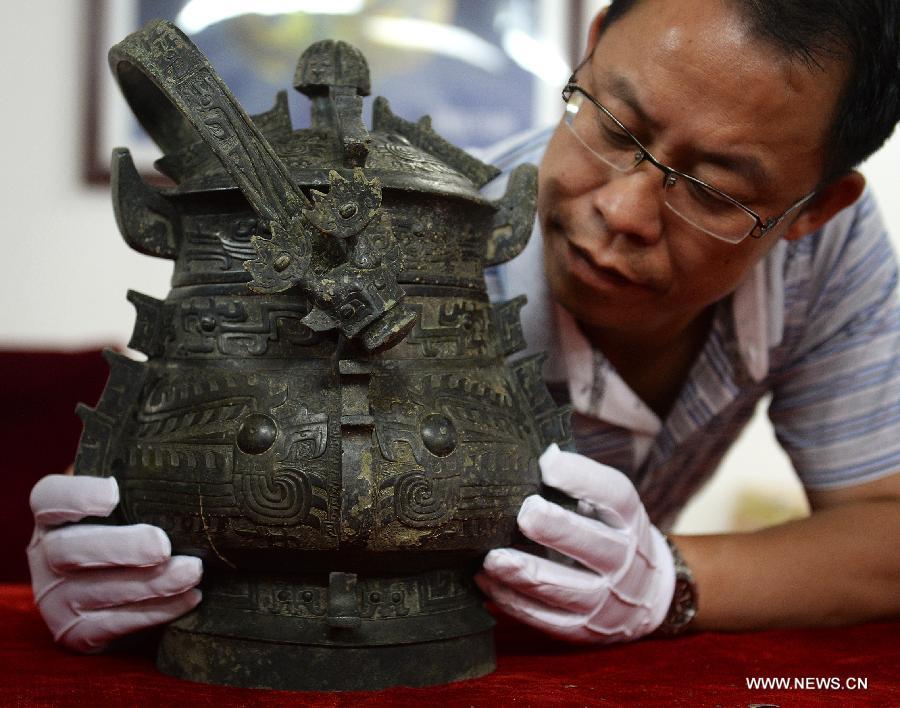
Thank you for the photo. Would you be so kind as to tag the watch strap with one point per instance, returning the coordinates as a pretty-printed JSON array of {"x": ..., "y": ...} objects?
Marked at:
[{"x": 684, "y": 600}]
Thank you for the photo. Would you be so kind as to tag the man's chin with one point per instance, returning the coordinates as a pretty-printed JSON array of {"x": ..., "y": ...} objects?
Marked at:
[{"x": 601, "y": 309}]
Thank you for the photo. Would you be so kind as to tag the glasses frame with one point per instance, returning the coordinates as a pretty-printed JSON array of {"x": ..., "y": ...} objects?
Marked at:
[{"x": 671, "y": 175}]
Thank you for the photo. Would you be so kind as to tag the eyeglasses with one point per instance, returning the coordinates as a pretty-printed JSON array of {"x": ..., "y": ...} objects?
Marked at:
[{"x": 701, "y": 205}]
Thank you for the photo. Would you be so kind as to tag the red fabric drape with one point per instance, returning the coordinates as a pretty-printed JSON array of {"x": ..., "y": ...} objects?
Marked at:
[
  {"x": 701, "y": 670},
  {"x": 39, "y": 433}
]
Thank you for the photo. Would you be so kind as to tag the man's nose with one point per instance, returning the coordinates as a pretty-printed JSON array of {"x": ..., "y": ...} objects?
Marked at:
[{"x": 631, "y": 203}]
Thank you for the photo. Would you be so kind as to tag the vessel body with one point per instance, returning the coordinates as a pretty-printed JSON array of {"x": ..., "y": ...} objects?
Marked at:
[{"x": 328, "y": 414}]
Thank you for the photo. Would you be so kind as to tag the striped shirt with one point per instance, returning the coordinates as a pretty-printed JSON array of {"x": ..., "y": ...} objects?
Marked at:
[{"x": 816, "y": 324}]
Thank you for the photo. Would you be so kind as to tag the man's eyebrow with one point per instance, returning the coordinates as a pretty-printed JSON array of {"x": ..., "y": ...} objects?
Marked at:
[
  {"x": 618, "y": 86},
  {"x": 747, "y": 166}
]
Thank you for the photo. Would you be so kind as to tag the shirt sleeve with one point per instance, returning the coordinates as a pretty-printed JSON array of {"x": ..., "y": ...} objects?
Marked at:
[{"x": 836, "y": 396}]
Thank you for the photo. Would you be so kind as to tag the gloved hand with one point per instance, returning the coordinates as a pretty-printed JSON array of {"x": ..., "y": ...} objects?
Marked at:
[
  {"x": 624, "y": 586},
  {"x": 94, "y": 583}
]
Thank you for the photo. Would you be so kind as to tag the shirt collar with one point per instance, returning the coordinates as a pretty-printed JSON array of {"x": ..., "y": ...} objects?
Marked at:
[{"x": 758, "y": 310}]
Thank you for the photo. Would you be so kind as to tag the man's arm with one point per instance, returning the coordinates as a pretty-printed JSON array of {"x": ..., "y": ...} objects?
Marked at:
[{"x": 840, "y": 565}]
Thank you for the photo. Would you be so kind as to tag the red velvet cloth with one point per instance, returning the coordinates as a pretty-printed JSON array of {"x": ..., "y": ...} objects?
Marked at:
[
  {"x": 700, "y": 670},
  {"x": 39, "y": 433}
]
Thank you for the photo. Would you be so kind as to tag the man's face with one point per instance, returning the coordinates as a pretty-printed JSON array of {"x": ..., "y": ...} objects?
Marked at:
[{"x": 707, "y": 99}]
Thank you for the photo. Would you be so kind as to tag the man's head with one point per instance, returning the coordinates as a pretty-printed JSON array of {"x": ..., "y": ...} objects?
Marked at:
[
  {"x": 712, "y": 90},
  {"x": 862, "y": 35}
]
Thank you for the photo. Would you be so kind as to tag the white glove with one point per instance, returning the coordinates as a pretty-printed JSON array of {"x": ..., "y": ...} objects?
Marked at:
[
  {"x": 624, "y": 586},
  {"x": 94, "y": 583}
]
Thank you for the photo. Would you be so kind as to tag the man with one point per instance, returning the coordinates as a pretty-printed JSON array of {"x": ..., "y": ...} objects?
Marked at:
[{"x": 706, "y": 241}]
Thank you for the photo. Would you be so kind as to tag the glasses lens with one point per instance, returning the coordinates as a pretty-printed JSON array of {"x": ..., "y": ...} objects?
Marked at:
[
  {"x": 600, "y": 134},
  {"x": 708, "y": 211},
  {"x": 700, "y": 206}
]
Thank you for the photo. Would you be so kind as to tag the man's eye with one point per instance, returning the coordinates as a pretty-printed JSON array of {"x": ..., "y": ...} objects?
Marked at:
[
  {"x": 707, "y": 198},
  {"x": 614, "y": 136}
]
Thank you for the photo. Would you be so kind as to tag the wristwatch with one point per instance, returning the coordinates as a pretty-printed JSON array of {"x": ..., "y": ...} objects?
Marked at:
[{"x": 684, "y": 601}]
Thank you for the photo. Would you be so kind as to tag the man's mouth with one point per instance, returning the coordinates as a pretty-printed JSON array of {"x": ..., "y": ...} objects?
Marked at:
[{"x": 604, "y": 272}]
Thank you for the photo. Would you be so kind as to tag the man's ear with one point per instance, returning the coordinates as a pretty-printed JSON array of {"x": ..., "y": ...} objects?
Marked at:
[
  {"x": 836, "y": 196},
  {"x": 594, "y": 31}
]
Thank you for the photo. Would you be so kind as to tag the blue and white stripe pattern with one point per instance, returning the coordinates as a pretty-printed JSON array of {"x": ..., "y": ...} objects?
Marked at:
[{"x": 833, "y": 365}]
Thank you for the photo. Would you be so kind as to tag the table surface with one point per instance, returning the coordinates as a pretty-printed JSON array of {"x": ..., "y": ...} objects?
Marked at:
[{"x": 706, "y": 669}]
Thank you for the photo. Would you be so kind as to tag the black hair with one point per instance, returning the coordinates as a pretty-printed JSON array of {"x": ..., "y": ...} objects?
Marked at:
[{"x": 864, "y": 35}]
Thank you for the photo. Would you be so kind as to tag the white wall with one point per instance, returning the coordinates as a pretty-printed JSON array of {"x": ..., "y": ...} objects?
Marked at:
[{"x": 66, "y": 269}]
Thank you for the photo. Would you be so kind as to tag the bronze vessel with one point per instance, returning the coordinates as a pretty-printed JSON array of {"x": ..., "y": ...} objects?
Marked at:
[{"x": 326, "y": 415}]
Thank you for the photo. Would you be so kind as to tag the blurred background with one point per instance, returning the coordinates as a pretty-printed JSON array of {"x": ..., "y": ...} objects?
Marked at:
[{"x": 483, "y": 69}]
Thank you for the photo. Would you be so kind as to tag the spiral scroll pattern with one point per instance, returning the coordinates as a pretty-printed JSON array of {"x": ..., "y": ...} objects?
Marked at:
[
  {"x": 420, "y": 503},
  {"x": 280, "y": 499}
]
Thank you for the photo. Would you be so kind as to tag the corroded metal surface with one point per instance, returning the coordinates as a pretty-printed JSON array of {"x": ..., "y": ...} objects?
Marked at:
[{"x": 326, "y": 415}]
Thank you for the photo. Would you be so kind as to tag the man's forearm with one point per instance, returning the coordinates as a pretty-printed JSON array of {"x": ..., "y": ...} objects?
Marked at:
[{"x": 840, "y": 565}]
